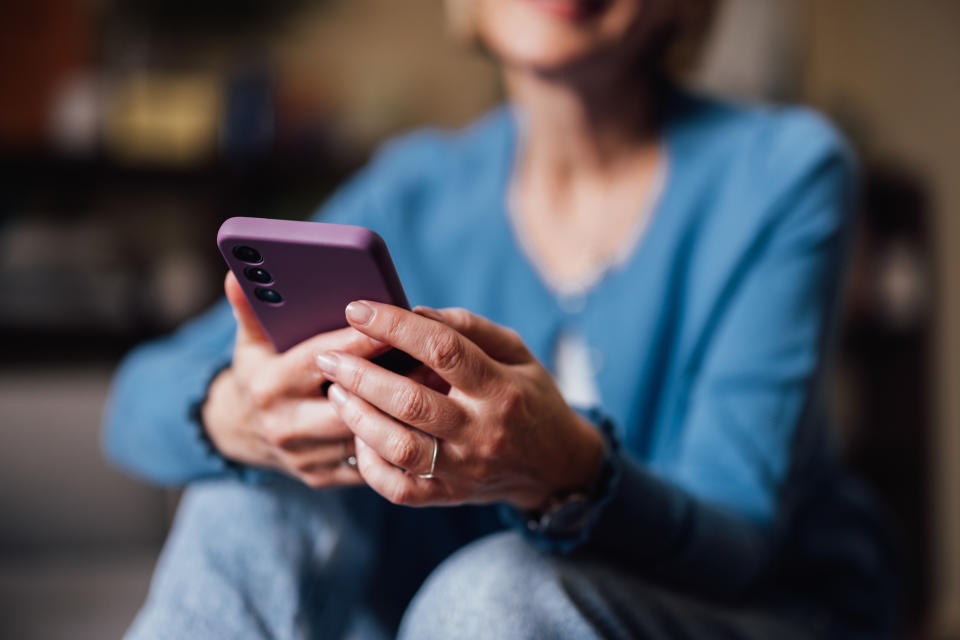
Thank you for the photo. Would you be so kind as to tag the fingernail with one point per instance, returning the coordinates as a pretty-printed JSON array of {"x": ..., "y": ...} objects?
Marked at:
[
  {"x": 337, "y": 395},
  {"x": 328, "y": 363},
  {"x": 359, "y": 312}
]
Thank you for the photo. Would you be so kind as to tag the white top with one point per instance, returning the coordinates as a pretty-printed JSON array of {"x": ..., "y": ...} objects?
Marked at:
[{"x": 575, "y": 371}]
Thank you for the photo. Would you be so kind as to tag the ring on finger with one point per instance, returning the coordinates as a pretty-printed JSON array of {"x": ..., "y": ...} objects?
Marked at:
[
  {"x": 433, "y": 460},
  {"x": 349, "y": 459}
]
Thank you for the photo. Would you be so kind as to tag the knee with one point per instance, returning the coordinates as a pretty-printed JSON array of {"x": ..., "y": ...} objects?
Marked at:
[
  {"x": 227, "y": 502},
  {"x": 227, "y": 523},
  {"x": 212, "y": 510},
  {"x": 229, "y": 506},
  {"x": 243, "y": 557},
  {"x": 499, "y": 586}
]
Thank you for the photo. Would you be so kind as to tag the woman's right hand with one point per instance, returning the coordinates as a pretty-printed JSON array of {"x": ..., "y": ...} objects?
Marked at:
[{"x": 266, "y": 409}]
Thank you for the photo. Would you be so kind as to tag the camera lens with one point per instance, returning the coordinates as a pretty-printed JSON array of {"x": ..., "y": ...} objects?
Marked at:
[
  {"x": 268, "y": 295},
  {"x": 258, "y": 275},
  {"x": 247, "y": 254}
]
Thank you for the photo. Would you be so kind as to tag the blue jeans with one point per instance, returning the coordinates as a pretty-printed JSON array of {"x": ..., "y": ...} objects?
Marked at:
[{"x": 282, "y": 561}]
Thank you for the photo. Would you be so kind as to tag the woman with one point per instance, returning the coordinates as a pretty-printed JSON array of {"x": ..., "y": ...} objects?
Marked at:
[{"x": 673, "y": 262}]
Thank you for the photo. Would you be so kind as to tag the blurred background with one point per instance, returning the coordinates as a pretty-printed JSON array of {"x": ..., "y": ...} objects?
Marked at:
[{"x": 129, "y": 129}]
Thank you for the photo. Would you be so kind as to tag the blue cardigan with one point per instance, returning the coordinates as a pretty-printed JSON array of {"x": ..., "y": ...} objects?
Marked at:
[{"x": 711, "y": 336}]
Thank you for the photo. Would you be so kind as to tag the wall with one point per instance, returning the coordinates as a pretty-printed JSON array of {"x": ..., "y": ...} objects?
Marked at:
[
  {"x": 893, "y": 69},
  {"x": 390, "y": 65}
]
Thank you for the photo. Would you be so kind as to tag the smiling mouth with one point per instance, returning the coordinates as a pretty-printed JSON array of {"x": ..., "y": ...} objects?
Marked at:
[{"x": 571, "y": 9}]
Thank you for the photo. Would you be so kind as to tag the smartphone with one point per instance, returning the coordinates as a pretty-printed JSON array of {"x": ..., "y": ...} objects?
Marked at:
[{"x": 300, "y": 276}]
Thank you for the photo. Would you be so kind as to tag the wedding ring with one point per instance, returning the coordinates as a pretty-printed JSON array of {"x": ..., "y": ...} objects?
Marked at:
[{"x": 433, "y": 460}]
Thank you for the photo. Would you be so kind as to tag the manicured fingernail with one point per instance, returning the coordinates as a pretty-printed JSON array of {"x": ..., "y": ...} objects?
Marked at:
[
  {"x": 336, "y": 394},
  {"x": 359, "y": 312},
  {"x": 328, "y": 364}
]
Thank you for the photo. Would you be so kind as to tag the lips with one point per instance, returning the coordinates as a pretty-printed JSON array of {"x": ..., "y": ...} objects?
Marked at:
[{"x": 571, "y": 9}]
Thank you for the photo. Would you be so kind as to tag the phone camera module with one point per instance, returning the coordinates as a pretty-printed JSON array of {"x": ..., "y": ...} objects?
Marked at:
[
  {"x": 268, "y": 295},
  {"x": 258, "y": 274},
  {"x": 247, "y": 254}
]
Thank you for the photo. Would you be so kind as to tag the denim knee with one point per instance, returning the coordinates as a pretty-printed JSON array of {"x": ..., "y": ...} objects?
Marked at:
[
  {"x": 497, "y": 587},
  {"x": 271, "y": 560}
]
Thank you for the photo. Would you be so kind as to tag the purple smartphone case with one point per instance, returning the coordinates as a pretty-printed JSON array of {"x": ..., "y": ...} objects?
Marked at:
[{"x": 318, "y": 268}]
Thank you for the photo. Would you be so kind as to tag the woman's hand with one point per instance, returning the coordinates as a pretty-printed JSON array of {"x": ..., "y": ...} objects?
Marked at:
[
  {"x": 267, "y": 410},
  {"x": 504, "y": 431}
]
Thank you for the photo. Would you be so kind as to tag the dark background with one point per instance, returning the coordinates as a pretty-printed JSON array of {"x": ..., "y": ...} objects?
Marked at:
[{"x": 130, "y": 129}]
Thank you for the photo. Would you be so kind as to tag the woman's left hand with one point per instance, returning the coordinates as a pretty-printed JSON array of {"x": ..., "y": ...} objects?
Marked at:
[{"x": 503, "y": 430}]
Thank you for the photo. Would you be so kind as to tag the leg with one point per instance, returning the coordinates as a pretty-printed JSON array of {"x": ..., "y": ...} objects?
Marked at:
[
  {"x": 412, "y": 542},
  {"x": 271, "y": 561},
  {"x": 502, "y": 587}
]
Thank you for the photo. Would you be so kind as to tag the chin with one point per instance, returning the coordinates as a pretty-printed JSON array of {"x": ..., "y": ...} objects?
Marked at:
[{"x": 553, "y": 34}]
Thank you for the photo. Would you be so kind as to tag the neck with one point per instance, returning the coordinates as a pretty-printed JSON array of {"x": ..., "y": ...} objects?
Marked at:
[{"x": 586, "y": 127}]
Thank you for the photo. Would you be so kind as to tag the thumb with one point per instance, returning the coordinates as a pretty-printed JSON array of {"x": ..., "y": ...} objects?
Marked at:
[{"x": 249, "y": 331}]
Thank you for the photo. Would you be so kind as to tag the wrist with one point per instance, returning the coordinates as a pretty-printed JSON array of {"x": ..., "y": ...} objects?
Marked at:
[
  {"x": 204, "y": 412},
  {"x": 207, "y": 411},
  {"x": 567, "y": 514},
  {"x": 590, "y": 454},
  {"x": 566, "y": 523},
  {"x": 575, "y": 473},
  {"x": 221, "y": 396}
]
